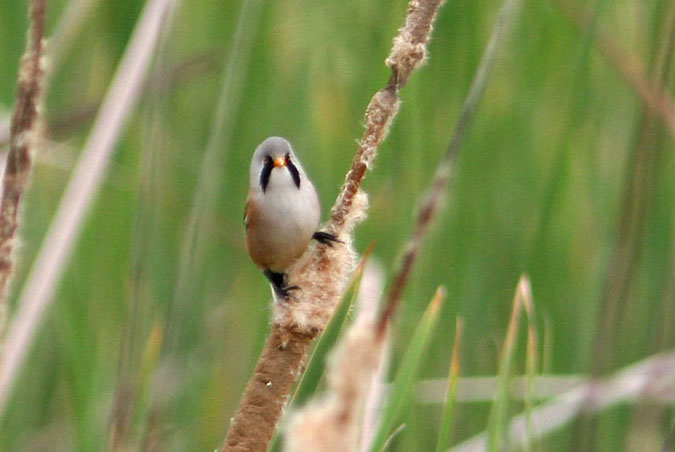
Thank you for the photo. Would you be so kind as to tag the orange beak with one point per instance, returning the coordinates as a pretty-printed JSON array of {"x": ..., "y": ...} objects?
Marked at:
[{"x": 279, "y": 162}]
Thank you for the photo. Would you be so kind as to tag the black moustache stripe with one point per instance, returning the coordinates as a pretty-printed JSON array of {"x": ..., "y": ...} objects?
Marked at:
[
  {"x": 269, "y": 166},
  {"x": 294, "y": 171},
  {"x": 265, "y": 173}
]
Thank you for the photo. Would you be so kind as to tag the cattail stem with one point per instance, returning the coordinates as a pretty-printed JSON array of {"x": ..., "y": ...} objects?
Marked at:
[
  {"x": 19, "y": 161},
  {"x": 408, "y": 53},
  {"x": 254, "y": 423}
]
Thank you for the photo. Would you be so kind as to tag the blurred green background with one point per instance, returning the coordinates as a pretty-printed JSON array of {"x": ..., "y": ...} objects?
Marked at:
[{"x": 564, "y": 175}]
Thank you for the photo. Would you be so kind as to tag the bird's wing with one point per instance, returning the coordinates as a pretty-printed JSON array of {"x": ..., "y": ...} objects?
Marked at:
[{"x": 246, "y": 216}]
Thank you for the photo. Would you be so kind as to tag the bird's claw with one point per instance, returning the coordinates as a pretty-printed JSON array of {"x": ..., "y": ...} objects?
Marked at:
[
  {"x": 284, "y": 293},
  {"x": 326, "y": 238}
]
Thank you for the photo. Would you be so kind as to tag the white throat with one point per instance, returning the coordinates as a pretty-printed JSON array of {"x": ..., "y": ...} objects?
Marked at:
[{"x": 281, "y": 179}]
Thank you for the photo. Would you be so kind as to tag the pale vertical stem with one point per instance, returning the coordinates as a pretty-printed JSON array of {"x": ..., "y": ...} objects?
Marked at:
[{"x": 39, "y": 288}]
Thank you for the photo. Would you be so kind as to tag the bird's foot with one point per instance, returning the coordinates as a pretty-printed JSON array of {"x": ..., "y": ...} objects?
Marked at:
[
  {"x": 326, "y": 238},
  {"x": 284, "y": 293},
  {"x": 280, "y": 285}
]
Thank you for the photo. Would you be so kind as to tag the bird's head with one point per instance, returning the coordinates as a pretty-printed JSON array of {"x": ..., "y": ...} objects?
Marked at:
[{"x": 274, "y": 165}]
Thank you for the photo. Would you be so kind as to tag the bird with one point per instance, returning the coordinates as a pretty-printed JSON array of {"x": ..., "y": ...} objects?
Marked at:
[{"x": 282, "y": 213}]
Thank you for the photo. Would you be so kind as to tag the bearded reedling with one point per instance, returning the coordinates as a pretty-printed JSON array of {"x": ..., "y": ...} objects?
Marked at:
[{"x": 282, "y": 212}]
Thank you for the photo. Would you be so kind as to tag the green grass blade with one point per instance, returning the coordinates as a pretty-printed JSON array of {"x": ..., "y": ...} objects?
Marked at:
[
  {"x": 499, "y": 413},
  {"x": 530, "y": 364},
  {"x": 402, "y": 388},
  {"x": 443, "y": 442}
]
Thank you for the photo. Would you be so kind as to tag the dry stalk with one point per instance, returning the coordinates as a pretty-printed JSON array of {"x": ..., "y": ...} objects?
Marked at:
[
  {"x": 648, "y": 379},
  {"x": 431, "y": 203},
  {"x": 428, "y": 209},
  {"x": 22, "y": 141},
  {"x": 481, "y": 389},
  {"x": 323, "y": 272},
  {"x": 629, "y": 66},
  {"x": 408, "y": 53},
  {"x": 370, "y": 295},
  {"x": 333, "y": 423}
]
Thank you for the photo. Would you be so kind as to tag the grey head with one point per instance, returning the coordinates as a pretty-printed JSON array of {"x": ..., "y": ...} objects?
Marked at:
[{"x": 275, "y": 154}]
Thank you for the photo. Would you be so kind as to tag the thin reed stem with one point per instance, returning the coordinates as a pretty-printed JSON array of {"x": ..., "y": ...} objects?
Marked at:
[{"x": 431, "y": 203}]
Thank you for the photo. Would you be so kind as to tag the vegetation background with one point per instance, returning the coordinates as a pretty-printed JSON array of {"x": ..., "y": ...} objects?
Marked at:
[{"x": 564, "y": 175}]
